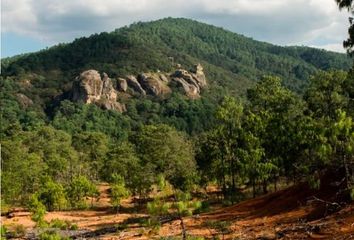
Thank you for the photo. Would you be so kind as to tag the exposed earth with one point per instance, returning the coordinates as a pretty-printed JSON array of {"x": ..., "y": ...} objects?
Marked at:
[{"x": 293, "y": 213}]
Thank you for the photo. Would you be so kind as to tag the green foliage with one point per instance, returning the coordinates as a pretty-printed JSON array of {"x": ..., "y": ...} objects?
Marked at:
[
  {"x": 18, "y": 231},
  {"x": 156, "y": 209},
  {"x": 118, "y": 191},
  {"x": 37, "y": 210},
  {"x": 3, "y": 231},
  {"x": 51, "y": 235},
  {"x": 62, "y": 225},
  {"x": 164, "y": 150},
  {"x": 79, "y": 189},
  {"x": 52, "y": 195}
]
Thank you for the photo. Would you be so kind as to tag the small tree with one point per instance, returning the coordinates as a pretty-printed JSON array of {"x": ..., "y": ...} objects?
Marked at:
[
  {"x": 79, "y": 189},
  {"x": 118, "y": 191},
  {"x": 52, "y": 195},
  {"x": 37, "y": 209}
]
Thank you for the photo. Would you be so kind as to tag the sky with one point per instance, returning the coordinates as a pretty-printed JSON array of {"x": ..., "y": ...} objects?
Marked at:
[{"x": 31, "y": 25}]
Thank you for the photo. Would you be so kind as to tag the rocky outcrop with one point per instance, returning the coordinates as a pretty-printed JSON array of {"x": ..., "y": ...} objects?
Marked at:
[
  {"x": 154, "y": 83},
  {"x": 135, "y": 85},
  {"x": 199, "y": 75},
  {"x": 89, "y": 87},
  {"x": 190, "y": 90},
  {"x": 122, "y": 85},
  {"x": 191, "y": 82}
]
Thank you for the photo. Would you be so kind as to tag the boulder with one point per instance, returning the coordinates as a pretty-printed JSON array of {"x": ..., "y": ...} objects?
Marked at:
[
  {"x": 90, "y": 88},
  {"x": 191, "y": 82},
  {"x": 87, "y": 87},
  {"x": 190, "y": 90},
  {"x": 135, "y": 85},
  {"x": 122, "y": 84},
  {"x": 199, "y": 75},
  {"x": 154, "y": 83}
]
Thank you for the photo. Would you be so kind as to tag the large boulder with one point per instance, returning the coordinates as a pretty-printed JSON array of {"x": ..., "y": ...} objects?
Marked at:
[
  {"x": 190, "y": 90},
  {"x": 199, "y": 75},
  {"x": 135, "y": 85},
  {"x": 191, "y": 82},
  {"x": 89, "y": 87},
  {"x": 122, "y": 84},
  {"x": 154, "y": 83}
]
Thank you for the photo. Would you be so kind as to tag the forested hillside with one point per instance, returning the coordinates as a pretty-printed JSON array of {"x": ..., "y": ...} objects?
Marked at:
[{"x": 266, "y": 115}]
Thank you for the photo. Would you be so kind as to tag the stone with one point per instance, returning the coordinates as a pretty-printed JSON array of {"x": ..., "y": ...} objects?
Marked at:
[
  {"x": 122, "y": 85},
  {"x": 135, "y": 85},
  {"x": 190, "y": 90},
  {"x": 154, "y": 83},
  {"x": 89, "y": 88},
  {"x": 199, "y": 75}
]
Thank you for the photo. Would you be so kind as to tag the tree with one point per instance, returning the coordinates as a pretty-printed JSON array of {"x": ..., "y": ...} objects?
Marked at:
[
  {"x": 163, "y": 150},
  {"x": 349, "y": 43},
  {"x": 118, "y": 191},
  {"x": 54, "y": 148},
  {"x": 278, "y": 110},
  {"x": 327, "y": 93},
  {"x": 229, "y": 115},
  {"x": 122, "y": 160},
  {"x": 79, "y": 189},
  {"x": 92, "y": 148},
  {"x": 52, "y": 195},
  {"x": 21, "y": 171},
  {"x": 38, "y": 210}
]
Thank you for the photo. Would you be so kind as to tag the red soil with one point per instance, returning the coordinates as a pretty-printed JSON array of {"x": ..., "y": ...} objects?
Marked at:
[{"x": 294, "y": 213}]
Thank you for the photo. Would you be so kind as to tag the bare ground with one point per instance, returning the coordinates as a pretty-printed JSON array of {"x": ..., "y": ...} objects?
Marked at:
[{"x": 297, "y": 212}]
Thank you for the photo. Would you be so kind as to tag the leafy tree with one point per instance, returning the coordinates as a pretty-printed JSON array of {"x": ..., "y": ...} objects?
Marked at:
[
  {"x": 52, "y": 195},
  {"x": 121, "y": 160},
  {"x": 327, "y": 93},
  {"x": 92, "y": 148},
  {"x": 38, "y": 210},
  {"x": 54, "y": 147},
  {"x": 164, "y": 150},
  {"x": 349, "y": 43},
  {"x": 229, "y": 115},
  {"x": 79, "y": 189},
  {"x": 20, "y": 173},
  {"x": 118, "y": 191},
  {"x": 278, "y": 110}
]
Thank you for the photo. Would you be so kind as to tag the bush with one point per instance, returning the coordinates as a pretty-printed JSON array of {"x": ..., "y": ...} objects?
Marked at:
[
  {"x": 38, "y": 210},
  {"x": 51, "y": 235},
  {"x": 19, "y": 231},
  {"x": 3, "y": 231},
  {"x": 78, "y": 190},
  {"x": 63, "y": 225}
]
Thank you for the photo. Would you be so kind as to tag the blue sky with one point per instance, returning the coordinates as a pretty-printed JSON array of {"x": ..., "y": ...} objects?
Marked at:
[{"x": 31, "y": 25}]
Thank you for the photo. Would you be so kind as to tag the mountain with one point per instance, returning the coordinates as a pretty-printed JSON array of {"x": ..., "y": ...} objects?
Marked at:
[{"x": 231, "y": 62}]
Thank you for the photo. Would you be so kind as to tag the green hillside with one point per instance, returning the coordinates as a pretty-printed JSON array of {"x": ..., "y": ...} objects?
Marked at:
[
  {"x": 157, "y": 126},
  {"x": 232, "y": 63}
]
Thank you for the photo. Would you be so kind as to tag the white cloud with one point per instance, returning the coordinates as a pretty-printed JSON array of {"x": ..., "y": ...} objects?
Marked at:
[
  {"x": 301, "y": 22},
  {"x": 331, "y": 47}
]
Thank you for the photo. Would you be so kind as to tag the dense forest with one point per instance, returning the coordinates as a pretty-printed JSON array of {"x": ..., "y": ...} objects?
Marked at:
[{"x": 270, "y": 114}]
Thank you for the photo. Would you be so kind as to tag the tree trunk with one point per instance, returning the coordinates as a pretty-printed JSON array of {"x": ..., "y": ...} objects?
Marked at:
[{"x": 265, "y": 185}]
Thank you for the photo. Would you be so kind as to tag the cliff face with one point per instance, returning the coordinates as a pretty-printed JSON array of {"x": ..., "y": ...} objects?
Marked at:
[{"x": 90, "y": 87}]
